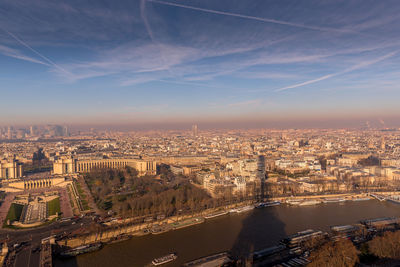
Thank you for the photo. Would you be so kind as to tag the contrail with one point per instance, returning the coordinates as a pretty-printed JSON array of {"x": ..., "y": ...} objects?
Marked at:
[
  {"x": 352, "y": 68},
  {"x": 16, "y": 54},
  {"x": 150, "y": 32},
  {"x": 36, "y": 52},
  {"x": 255, "y": 18},
  {"x": 144, "y": 18}
]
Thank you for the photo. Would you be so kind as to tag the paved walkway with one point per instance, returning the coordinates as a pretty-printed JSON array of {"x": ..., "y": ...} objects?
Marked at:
[
  {"x": 65, "y": 203},
  {"x": 5, "y": 206}
]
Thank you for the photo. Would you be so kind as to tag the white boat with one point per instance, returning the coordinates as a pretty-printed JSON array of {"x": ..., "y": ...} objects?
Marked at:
[
  {"x": 333, "y": 200},
  {"x": 217, "y": 214},
  {"x": 294, "y": 202},
  {"x": 164, "y": 259},
  {"x": 267, "y": 204},
  {"x": 361, "y": 199},
  {"x": 242, "y": 209},
  {"x": 309, "y": 202}
]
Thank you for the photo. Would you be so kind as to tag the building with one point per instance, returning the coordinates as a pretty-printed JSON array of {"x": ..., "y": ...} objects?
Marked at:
[
  {"x": 195, "y": 130},
  {"x": 10, "y": 169},
  {"x": 18, "y": 185},
  {"x": 71, "y": 165}
]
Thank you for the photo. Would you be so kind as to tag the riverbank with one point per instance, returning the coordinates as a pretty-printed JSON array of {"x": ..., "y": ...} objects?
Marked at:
[
  {"x": 124, "y": 226},
  {"x": 237, "y": 233}
]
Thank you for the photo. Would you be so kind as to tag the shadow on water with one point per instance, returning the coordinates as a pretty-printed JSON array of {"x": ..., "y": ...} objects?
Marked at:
[
  {"x": 71, "y": 262},
  {"x": 242, "y": 234},
  {"x": 260, "y": 229}
]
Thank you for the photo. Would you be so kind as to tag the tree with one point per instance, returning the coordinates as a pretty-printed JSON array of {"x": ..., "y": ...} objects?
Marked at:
[
  {"x": 335, "y": 254},
  {"x": 386, "y": 246}
]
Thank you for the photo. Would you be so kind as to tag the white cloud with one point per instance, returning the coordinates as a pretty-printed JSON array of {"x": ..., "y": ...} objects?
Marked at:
[{"x": 360, "y": 65}]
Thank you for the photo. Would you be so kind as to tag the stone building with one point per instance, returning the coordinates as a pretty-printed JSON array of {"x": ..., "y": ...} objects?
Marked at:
[
  {"x": 71, "y": 165},
  {"x": 10, "y": 169}
]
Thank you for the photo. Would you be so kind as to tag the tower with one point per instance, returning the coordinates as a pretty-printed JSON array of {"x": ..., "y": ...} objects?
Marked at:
[{"x": 194, "y": 130}]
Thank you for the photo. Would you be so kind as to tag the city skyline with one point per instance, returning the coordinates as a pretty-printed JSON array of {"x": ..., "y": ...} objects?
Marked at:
[{"x": 214, "y": 63}]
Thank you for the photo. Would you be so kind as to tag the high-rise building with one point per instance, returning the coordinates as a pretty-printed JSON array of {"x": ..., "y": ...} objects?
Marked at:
[
  {"x": 10, "y": 132},
  {"x": 194, "y": 130},
  {"x": 33, "y": 130},
  {"x": 65, "y": 131}
]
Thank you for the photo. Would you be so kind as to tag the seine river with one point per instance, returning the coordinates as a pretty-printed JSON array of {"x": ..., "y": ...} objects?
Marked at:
[{"x": 238, "y": 233}]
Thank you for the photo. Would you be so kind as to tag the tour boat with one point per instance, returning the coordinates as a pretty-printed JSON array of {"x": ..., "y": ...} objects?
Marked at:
[
  {"x": 267, "y": 204},
  {"x": 164, "y": 259}
]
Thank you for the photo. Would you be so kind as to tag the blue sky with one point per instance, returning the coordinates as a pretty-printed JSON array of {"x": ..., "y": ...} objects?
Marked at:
[{"x": 158, "y": 61}]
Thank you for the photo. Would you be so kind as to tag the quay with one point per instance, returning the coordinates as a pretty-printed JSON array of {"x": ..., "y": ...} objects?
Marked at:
[{"x": 125, "y": 227}]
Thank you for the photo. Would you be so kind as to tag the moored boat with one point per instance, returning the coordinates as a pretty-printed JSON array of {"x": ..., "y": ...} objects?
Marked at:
[
  {"x": 81, "y": 250},
  {"x": 242, "y": 209},
  {"x": 294, "y": 201},
  {"x": 361, "y": 199},
  {"x": 164, "y": 259},
  {"x": 309, "y": 202},
  {"x": 333, "y": 200},
  {"x": 217, "y": 214},
  {"x": 219, "y": 259},
  {"x": 267, "y": 204}
]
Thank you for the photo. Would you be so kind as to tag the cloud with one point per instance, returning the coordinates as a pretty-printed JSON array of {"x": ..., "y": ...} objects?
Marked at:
[
  {"x": 10, "y": 52},
  {"x": 360, "y": 65},
  {"x": 274, "y": 21},
  {"x": 50, "y": 62}
]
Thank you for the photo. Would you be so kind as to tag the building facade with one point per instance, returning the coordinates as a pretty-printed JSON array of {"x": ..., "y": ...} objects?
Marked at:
[
  {"x": 70, "y": 165},
  {"x": 10, "y": 169}
]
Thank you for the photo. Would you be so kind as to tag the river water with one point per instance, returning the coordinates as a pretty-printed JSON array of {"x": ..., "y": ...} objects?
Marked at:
[{"x": 238, "y": 233}]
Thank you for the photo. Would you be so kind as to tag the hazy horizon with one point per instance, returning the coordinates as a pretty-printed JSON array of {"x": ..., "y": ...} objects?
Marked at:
[{"x": 300, "y": 123}]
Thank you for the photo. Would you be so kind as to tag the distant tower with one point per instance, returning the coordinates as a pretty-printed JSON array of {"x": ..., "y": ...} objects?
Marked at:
[
  {"x": 32, "y": 130},
  {"x": 10, "y": 132},
  {"x": 194, "y": 130},
  {"x": 261, "y": 174},
  {"x": 65, "y": 131}
]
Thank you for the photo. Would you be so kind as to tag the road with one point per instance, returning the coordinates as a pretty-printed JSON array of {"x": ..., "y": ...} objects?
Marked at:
[{"x": 27, "y": 254}]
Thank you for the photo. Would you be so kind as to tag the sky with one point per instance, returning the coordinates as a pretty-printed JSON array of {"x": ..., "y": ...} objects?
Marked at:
[{"x": 216, "y": 62}]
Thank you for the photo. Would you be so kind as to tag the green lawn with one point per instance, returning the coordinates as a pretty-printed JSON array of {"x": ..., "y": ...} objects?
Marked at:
[
  {"x": 14, "y": 213},
  {"x": 54, "y": 206}
]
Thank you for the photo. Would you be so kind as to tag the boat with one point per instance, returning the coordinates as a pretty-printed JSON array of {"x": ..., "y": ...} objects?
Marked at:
[
  {"x": 294, "y": 201},
  {"x": 267, "y": 204},
  {"x": 309, "y": 202},
  {"x": 159, "y": 230},
  {"x": 164, "y": 259},
  {"x": 242, "y": 209},
  {"x": 333, "y": 200},
  {"x": 361, "y": 199},
  {"x": 219, "y": 259},
  {"x": 217, "y": 214},
  {"x": 294, "y": 240},
  {"x": 81, "y": 250}
]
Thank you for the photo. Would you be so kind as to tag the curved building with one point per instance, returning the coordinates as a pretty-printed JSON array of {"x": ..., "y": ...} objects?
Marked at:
[{"x": 70, "y": 165}]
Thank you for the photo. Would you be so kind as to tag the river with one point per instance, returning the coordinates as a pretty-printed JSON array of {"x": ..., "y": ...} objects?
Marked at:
[{"x": 238, "y": 233}]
